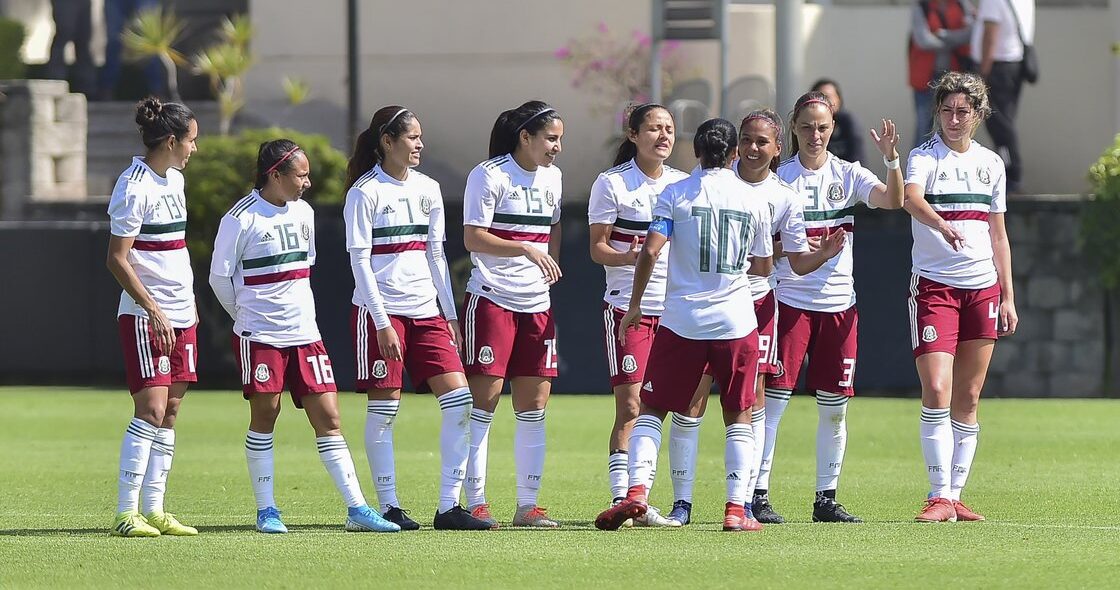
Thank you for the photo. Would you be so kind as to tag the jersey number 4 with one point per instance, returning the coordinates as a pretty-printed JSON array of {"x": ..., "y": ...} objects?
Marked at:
[{"x": 723, "y": 243}]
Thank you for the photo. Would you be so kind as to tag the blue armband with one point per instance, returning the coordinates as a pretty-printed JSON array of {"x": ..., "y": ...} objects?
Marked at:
[{"x": 662, "y": 225}]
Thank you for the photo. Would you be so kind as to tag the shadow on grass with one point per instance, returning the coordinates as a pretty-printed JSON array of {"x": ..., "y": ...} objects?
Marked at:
[{"x": 221, "y": 528}]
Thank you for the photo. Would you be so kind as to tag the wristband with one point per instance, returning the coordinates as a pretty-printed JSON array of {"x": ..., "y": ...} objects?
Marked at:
[{"x": 894, "y": 164}]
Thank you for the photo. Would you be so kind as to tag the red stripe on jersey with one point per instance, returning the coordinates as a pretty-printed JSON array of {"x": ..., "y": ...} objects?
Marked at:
[
  {"x": 520, "y": 236},
  {"x": 813, "y": 232},
  {"x": 627, "y": 238},
  {"x": 276, "y": 277},
  {"x": 964, "y": 215},
  {"x": 157, "y": 245},
  {"x": 399, "y": 247}
]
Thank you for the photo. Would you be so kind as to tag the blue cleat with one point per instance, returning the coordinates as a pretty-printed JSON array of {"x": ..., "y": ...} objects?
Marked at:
[
  {"x": 681, "y": 513},
  {"x": 364, "y": 519},
  {"x": 268, "y": 521}
]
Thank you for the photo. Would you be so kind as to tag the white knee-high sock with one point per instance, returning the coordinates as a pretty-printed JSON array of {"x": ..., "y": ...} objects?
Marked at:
[
  {"x": 474, "y": 487},
  {"x": 136, "y": 448},
  {"x": 645, "y": 442},
  {"x": 380, "y": 415},
  {"x": 965, "y": 437},
  {"x": 737, "y": 457},
  {"x": 776, "y": 402},
  {"x": 335, "y": 456},
  {"x": 832, "y": 438},
  {"x": 684, "y": 440},
  {"x": 258, "y": 454},
  {"x": 937, "y": 448},
  {"x": 528, "y": 455},
  {"x": 159, "y": 464},
  {"x": 758, "y": 426},
  {"x": 618, "y": 473},
  {"x": 454, "y": 444}
]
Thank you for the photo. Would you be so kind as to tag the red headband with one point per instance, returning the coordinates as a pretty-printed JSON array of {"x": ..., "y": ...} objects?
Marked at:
[
  {"x": 776, "y": 126},
  {"x": 817, "y": 100},
  {"x": 282, "y": 159}
]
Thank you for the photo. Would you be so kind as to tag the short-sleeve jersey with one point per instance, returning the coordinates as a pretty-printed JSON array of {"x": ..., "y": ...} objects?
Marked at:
[
  {"x": 513, "y": 204},
  {"x": 964, "y": 189},
  {"x": 717, "y": 228},
  {"x": 787, "y": 221},
  {"x": 269, "y": 251},
  {"x": 624, "y": 197},
  {"x": 830, "y": 195},
  {"x": 396, "y": 220},
  {"x": 153, "y": 210}
]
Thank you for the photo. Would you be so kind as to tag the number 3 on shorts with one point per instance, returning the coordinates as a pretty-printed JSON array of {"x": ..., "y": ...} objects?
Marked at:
[
  {"x": 849, "y": 372},
  {"x": 321, "y": 365}
]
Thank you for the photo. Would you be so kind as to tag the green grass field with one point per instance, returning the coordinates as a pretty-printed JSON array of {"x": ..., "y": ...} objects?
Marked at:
[{"x": 1046, "y": 476}]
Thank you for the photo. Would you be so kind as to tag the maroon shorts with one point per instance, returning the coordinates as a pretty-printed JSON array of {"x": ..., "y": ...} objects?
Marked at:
[
  {"x": 627, "y": 363},
  {"x": 503, "y": 343},
  {"x": 146, "y": 364},
  {"x": 941, "y": 316},
  {"x": 829, "y": 338},
  {"x": 306, "y": 368},
  {"x": 766, "y": 310},
  {"x": 426, "y": 345},
  {"x": 677, "y": 363}
]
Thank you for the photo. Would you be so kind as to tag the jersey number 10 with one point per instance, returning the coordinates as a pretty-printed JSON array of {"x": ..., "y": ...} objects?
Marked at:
[{"x": 723, "y": 243}]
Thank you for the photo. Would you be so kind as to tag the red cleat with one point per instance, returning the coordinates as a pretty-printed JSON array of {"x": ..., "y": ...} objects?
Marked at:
[
  {"x": 964, "y": 513},
  {"x": 632, "y": 507},
  {"x": 937, "y": 510},
  {"x": 735, "y": 518}
]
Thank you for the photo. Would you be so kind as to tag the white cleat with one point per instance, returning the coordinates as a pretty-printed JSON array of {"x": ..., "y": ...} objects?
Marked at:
[{"x": 653, "y": 518}]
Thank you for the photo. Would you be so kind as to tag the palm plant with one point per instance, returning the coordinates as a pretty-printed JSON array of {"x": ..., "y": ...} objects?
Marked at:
[
  {"x": 153, "y": 33},
  {"x": 225, "y": 64}
]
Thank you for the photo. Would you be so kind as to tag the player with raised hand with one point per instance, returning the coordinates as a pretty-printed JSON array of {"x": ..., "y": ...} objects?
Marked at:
[
  {"x": 395, "y": 229},
  {"x": 961, "y": 295},
  {"x": 719, "y": 236},
  {"x": 817, "y": 312},
  {"x": 156, "y": 317},
  {"x": 511, "y": 213},
  {"x": 261, "y": 274}
]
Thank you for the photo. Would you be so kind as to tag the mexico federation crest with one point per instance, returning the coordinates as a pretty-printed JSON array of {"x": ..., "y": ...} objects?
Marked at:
[
  {"x": 380, "y": 370},
  {"x": 306, "y": 231},
  {"x": 425, "y": 205},
  {"x": 984, "y": 175},
  {"x": 486, "y": 355},
  {"x": 779, "y": 368},
  {"x": 835, "y": 193},
  {"x": 164, "y": 365},
  {"x": 629, "y": 364},
  {"x": 261, "y": 374},
  {"x": 549, "y": 198},
  {"x": 929, "y": 334}
]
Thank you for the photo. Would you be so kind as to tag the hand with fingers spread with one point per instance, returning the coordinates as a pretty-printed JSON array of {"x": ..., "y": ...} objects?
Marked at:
[
  {"x": 887, "y": 140},
  {"x": 631, "y": 320},
  {"x": 832, "y": 243},
  {"x": 545, "y": 262},
  {"x": 389, "y": 344}
]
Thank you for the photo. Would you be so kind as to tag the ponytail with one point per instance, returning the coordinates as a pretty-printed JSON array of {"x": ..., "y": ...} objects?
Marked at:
[
  {"x": 531, "y": 116},
  {"x": 393, "y": 121},
  {"x": 715, "y": 142},
  {"x": 635, "y": 116}
]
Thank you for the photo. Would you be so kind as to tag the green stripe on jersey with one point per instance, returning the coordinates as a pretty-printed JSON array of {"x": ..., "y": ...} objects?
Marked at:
[
  {"x": 522, "y": 219},
  {"x": 959, "y": 198},
  {"x": 163, "y": 228},
  {"x": 274, "y": 260},
  {"x": 631, "y": 225},
  {"x": 827, "y": 215},
  {"x": 400, "y": 230}
]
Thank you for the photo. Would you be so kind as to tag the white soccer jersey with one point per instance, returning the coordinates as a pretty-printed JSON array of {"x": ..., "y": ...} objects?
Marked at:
[
  {"x": 963, "y": 188},
  {"x": 716, "y": 228},
  {"x": 397, "y": 220},
  {"x": 787, "y": 221},
  {"x": 153, "y": 210},
  {"x": 269, "y": 251},
  {"x": 624, "y": 197},
  {"x": 513, "y": 204},
  {"x": 830, "y": 194}
]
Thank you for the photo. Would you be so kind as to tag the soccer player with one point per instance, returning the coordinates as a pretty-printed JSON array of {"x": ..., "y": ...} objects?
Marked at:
[
  {"x": 961, "y": 293},
  {"x": 511, "y": 213},
  {"x": 619, "y": 212},
  {"x": 719, "y": 236},
  {"x": 817, "y": 312},
  {"x": 261, "y": 274},
  {"x": 395, "y": 229},
  {"x": 156, "y": 317}
]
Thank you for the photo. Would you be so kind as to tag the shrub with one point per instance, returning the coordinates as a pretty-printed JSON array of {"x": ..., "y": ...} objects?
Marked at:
[
  {"x": 1100, "y": 225},
  {"x": 11, "y": 40}
]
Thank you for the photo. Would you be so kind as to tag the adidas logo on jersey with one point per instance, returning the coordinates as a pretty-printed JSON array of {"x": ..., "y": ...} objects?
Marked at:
[
  {"x": 388, "y": 210},
  {"x": 267, "y": 237},
  {"x": 638, "y": 203},
  {"x": 943, "y": 176}
]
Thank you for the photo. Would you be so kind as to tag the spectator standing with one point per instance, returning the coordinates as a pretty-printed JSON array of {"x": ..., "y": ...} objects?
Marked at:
[{"x": 940, "y": 31}]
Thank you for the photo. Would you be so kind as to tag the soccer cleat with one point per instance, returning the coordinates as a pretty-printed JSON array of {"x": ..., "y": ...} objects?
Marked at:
[
  {"x": 169, "y": 525},
  {"x": 458, "y": 519},
  {"x": 612, "y": 518},
  {"x": 362, "y": 519},
  {"x": 531, "y": 515},
  {"x": 629, "y": 522},
  {"x": 268, "y": 521},
  {"x": 964, "y": 513},
  {"x": 653, "y": 518},
  {"x": 399, "y": 516},
  {"x": 764, "y": 512},
  {"x": 937, "y": 510},
  {"x": 130, "y": 524},
  {"x": 826, "y": 509},
  {"x": 681, "y": 514},
  {"x": 735, "y": 519},
  {"x": 482, "y": 512}
]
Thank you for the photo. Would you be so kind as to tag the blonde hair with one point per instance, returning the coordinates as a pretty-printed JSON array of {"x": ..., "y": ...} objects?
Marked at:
[{"x": 971, "y": 86}]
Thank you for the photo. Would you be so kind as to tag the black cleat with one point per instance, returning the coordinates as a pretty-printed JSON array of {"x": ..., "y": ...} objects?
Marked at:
[
  {"x": 458, "y": 519},
  {"x": 396, "y": 515},
  {"x": 764, "y": 512},
  {"x": 826, "y": 509}
]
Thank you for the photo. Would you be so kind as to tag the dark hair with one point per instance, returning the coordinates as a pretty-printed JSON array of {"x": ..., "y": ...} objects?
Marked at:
[
  {"x": 160, "y": 120},
  {"x": 775, "y": 120},
  {"x": 393, "y": 121},
  {"x": 277, "y": 155},
  {"x": 821, "y": 83},
  {"x": 531, "y": 116},
  {"x": 811, "y": 97},
  {"x": 635, "y": 116},
  {"x": 715, "y": 142}
]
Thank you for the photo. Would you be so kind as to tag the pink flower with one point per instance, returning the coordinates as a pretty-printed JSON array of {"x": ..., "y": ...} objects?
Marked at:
[
  {"x": 602, "y": 28},
  {"x": 563, "y": 53}
]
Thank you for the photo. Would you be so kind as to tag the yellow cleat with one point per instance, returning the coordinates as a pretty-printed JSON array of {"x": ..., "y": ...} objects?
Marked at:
[
  {"x": 167, "y": 524},
  {"x": 131, "y": 524}
]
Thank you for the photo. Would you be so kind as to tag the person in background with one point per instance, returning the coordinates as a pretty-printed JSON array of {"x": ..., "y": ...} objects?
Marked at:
[
  {"x": 72, "y": 24},
  {"x": 118, "y": 13},
  {"x": 939, "y": 35},
  {"x": 847, "y": 142}
]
